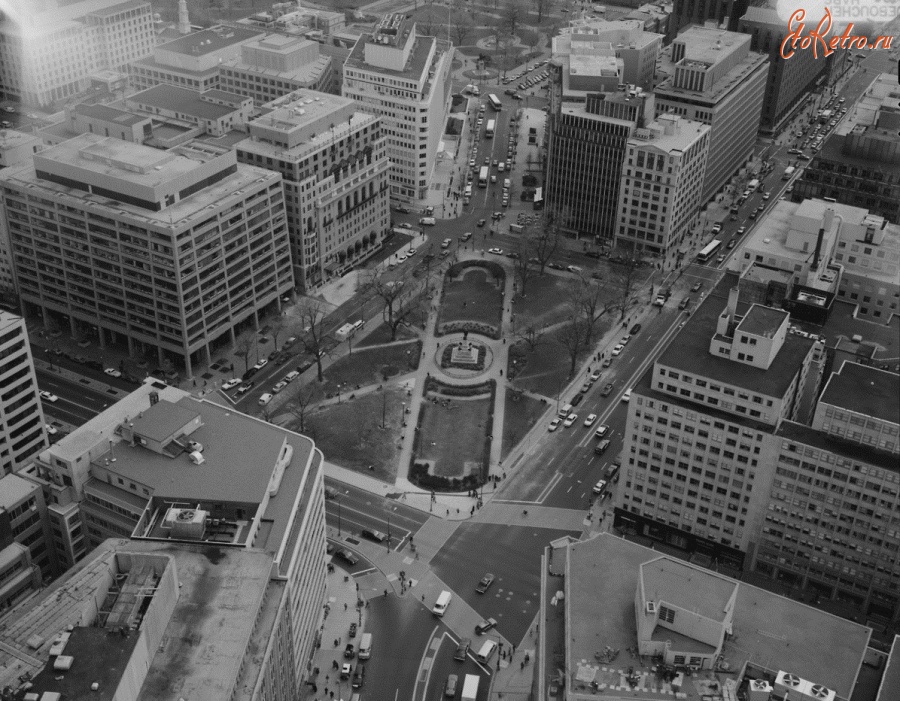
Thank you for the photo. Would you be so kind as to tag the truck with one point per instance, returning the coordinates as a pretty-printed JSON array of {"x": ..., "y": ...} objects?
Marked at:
[
  {"x": 825, "y": 115},
  {"x": 470, "y": 688},
  {"x": 753, "y": 184},
  {"x": 483, "y": 177},
  {"x": 489, "y": 130},
  {"x": 788, "y": 172}
]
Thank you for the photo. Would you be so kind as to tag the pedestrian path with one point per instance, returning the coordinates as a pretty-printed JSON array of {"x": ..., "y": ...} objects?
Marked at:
[
  {"x": 431, "y": 537},
  {"x": 507, "y": 514}
]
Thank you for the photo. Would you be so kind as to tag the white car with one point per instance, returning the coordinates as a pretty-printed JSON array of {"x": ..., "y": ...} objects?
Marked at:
[
  {"x": 570, "y": 419},
  {"x": 618, "y": 348},
  {"x": 112, "y": 372},
  {"x": 48, "y": 397},
  {"x": 591, "y": 418},
  {"x": 51, "y": 430},
  {"x": 627, "y": 396},
  {"x": 404, "y": 225},
  {"x": 278, "y": 387},
  {"x": 601, "y": 431},
  {"x": 554, "y": 424},
  {"x": 496, "y": 251},
  {"x": 595, "y": 375},
  {"x": 233, "y": 382},
  {"x": 625, "y": 339},
  {"x": 291, "y": 376},
  {"x": 265, "y": 399},
  {"x": 261, "y": 364}
]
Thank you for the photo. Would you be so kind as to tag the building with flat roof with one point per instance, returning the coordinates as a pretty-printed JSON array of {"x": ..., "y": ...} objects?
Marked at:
[
  {"x": 22, "y": 432},
  {"x": 109, "y": 120},
  {"x": 335, "y": 172},
  {"x": 718, "y": 13},
  {"x": 404, "y": 78},
  {"x": 50, "y": 48},
  {"x": 276, "y": 65},
  {"x": 859, "y": 162},
  {"x": 216, "y": 112},
  {"x": 690, "y": 632},
  {"x": 586, "y": 145},
  {"x": 164, "y": 252},
  {"x": 890, "y": 681},
  {"x": 596, "y": 56},
  {"x": 26, "y": 551},
  {"x": 789, "y": 81},
  {"x": 193, "y": 60},
  {"x": 714, "y": 78},
  {"x": 662, "y": 181},
  {"x": 166, "y": 473}
]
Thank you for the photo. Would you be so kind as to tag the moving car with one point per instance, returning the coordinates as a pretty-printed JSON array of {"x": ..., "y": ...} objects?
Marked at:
[
  {"x": 372, "y": 534},
  {"x": 554, "y": 424},
  {"x": 607, "y": 389},
  {"x": 359, "y": 676},
  {"x": 601, "y": 431},
  {"x": 347, "y": 556},
  {"x": 570, "y": 419},
  {"x": 589, "y": 421},
  {"x": 496, "y": 251},
  {"x": 279, "y": 386},
  {"x": 112, "y": 372},
  {"x": 697, "y": 287},
  {"x": 462, "y": 649},
  {"x": 485, "y": 583},
  {"x": 601, "y": 447},
  {"x": 627, "y": 396},
  {"x": 48, "y": 397}
]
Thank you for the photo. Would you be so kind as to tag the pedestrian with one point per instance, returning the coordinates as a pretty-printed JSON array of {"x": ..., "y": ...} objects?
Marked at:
[
  {"x": 522, "y": 665},
  {"x": 345, "y": 606}
]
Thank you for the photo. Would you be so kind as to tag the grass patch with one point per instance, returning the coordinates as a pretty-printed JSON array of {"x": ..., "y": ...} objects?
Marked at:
[
  {"x": 475, "y": 294},
  {"x": 371, "y": 366},
  {"x": 366, "y": 448},
  {"x": 546, "y": 368},
  {"x": 454, "y": 434},
  {"x": 545, "y": 300},
  {"x": 382, "y": 334},
  {"x": 521, "y": 413}
]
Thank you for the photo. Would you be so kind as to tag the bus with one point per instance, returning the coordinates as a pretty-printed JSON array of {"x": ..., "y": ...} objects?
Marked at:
[
  {"x": 495, "y": 103},
  {"x": 483, "y": 177},
  {"x": 489, "y": 130},
  {"x": 709, "y": 251},
  {"x": 788, "y": 172}
]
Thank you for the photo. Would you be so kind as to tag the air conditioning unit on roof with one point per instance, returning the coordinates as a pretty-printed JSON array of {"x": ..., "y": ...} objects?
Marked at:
[{"x": 759, "y": 690}]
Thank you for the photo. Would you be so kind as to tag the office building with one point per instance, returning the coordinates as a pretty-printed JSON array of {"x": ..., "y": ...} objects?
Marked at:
[
  {"x": 192, "y": 61},
  {"x": 22, "y": 431},
  {"x": 163, "y": 252},
  {"x": 333, "y": 161},
  {"x": 789, "y": 81},
  {"x": 711, "y": 633},
  {"x": 859, "y": 162},
  {"x": 724, "y": 14},
  {"x": 405, "y": 79},
  {"x": 662, "y": 180},
  {"x": 108, "y": 120},
  {"x": 164, "y": 473},
  {"x": 50, "y": 48},
  {"x": 597, "y": 56},
  {"x": 825, "y": 249},
  {"x": 276, "y": 65},
  {"x": 586, "y": 144},
  {"x": 714, "y": 78},
  {"x": 654, "y": 17},
  {"x": 23, "y": 522},
  {"x": 213, "y": 112}
]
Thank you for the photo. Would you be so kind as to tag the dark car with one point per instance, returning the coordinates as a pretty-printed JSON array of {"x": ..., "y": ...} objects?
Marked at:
[
  {"x": 402, "y": 209},
  {"x": 593, "y": 254},
  {"x": 485, "y": 583},
  {"x": 485, "y": 626},
  {"x": 347, "y": 556},
  {"x": 244, "y": 388},
  {"x": 576, "y": 400},
  {"x": 349, "y": 651},
  {"x": 359, "y": 676},
  {"x": 462, "y": 649},
  {"x": 352, "y": 633},
  {"x": 372, "y": 534},
  {"x": 250, "y": 373},
  {"x": 556, "y": 266},
  {"x": 635, "y": 329},
  {"x": 607, "y": 389},
  {"x": 697, "y": 287},
  {"x": 94, "y": 364}
]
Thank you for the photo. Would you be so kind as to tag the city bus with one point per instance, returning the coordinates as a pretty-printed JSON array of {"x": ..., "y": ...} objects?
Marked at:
[
  {"x": 709, "y": 251},
  {"x": 495, "y": 103},
  {"x": 483, "y": 177},
  {"x": 489, "y": 129}
]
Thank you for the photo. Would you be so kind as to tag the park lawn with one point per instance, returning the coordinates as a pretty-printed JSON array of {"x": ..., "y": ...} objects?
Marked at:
[
  {"x": 520, "y": 414},
  {"x": 370, "y": 366},
  {"x": 382, "y": 335},
  {"x": 455, "y": 434},
  {"x": 545, "y": 299},
  {"x": 546, "y": 370},
  {"x": 350, "y": 434},
  {"x": 472, "y": 296}
]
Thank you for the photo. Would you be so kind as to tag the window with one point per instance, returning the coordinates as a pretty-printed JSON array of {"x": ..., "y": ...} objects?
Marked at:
[{"x": 666, "y": 614}]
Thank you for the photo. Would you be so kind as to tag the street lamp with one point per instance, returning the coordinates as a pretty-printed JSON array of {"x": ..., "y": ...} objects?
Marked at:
[{"x": 338, "y": 503}]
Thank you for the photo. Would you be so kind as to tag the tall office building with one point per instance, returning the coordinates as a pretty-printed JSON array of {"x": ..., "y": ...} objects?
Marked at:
[
  {"x": 586, "y": 144},
  {"x": 717, "y": 80},
  {"x": 21, "y": 416},
  {"x": 203, "y": 536},
  {"x": 789, "y": 80},
  {"x": 166, "y": 252},
  {"x": 662, "y": 178},
  {"x": 23, "y": 520},
  {"x": 50, "y": 48},
  {"x": 859, "y": 162},
  {"x": 334, "y": 167},
  {"x": 405, "y": 79},
  {"x": 721, "y": 13}
]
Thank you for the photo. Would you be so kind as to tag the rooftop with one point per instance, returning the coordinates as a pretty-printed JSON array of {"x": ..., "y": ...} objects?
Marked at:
[
  {"x": 209, "y": 40},
  {"x": 415, "y": 68},
  {"x": 801, "y": 433},
  {"x": 163, "y": 420},
  {"x": 710, "y": 45},
  {"x": 166, "y": 69},
  {"x": 890, "y": 682},
  {"x": 689, "y": 350},
  {"x": 762, "y": 321},
  {"x": 187, "y": 101},
  {"x": 769, "y": 630},
  {"x": 13, "y": 489},
  {"x": 865, "y": 390},
  {"x": 51, "y": 13},
  {"x": 110, "y": 114},
  {"x": 668, "y": 133},
  {"x": 705, "y": 593}
]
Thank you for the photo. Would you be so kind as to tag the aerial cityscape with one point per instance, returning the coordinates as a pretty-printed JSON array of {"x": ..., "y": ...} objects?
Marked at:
[{"x": 476, "y": 350}]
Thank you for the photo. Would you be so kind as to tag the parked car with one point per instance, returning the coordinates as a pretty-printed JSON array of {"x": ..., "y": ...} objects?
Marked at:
[
  {"x": 596, "y": 375},
  {"x": 359, "y": 676},
  {"x": 450, "y": 686},
  {"x": 627, "y": 396},
  {"x": 554, "y": 424},
  {"x": 244, "y": 388},
  {"x": 485, "y": 583},
  {"x": 697, "y": 287},
  {"x": 349, "y": 651},
  {"x": 635, "y": 329},
  {"x": 352, "y": 633},
  {"x": 485, "y": 625},
  {"x": 347, "y": 556},
  {"x": 570, "y": 419},
  {"x": 112, "y": 372},
  {"x": 576, "y": 400},
  {"x": 261, "y": 364},
  {"x": 265, "y": 398},
  {"x": 617, "y": 349},
  {"x": 372, "y": 534},
  {"x": 279, "y": 386},
  {"x": 228, "y": 384},
  {"x": 462, "y": 649},
  {"x": 346, "y": 670}
]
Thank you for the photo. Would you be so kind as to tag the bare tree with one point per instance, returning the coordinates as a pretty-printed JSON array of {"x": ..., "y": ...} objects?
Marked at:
[
  {"x": 627, "y": 281},
  {"x": 529, "y": 332},
  {"x": 524, "y": 265},
  {"x": 276, "y": 328},
  {"x": 545, "y": 240},
  {"x": 589, "y": 299},
  {"x": 303, "y": 399},
  {"x": 574, "y": 337},
  {"x": 400, "y": 299},
  {"x": 312, "y": 317},
  {"x": 243, "y": 349},
  {"x": 510, "y": 19},
  {"x": 462, "y": 30},
  {"x": 505, "y": 43},
  {"x": 542, "y": 7}
]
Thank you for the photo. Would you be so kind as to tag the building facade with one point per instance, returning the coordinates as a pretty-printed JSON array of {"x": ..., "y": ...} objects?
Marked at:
[
  {"x": 789, "y": 81},
  {"x": 215, "y": 112},
  {"x": 49, "y": 49},
  {"x": 166, "y": 252},
  {"x": 23, "y": 521},
  {"x": 405, "y": 79},
  {"x": 717, "y": 80},
  {"x": 720, "y": 13},
  {"x": 586, "y": 145},
  {"x": 333, "y": 161},
  {"x": 662, "y": 182},
  {"x": 22, "y": 432},
  {"x": 859, "y": 162}
]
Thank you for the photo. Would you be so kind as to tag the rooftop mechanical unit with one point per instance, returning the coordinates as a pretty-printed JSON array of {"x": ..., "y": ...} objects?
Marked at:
[{"x": 187, "y": 524}]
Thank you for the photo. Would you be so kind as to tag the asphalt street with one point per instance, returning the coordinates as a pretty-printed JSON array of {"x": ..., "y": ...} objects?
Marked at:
[{"x": 354, "y": 509}]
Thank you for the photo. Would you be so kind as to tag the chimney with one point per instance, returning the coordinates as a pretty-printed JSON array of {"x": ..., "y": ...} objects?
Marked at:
[
  {"x": 827, "y": 220},
  {"x": 184, "y": 24},
  {"x": 154, "y": 398},
  {"x": 727, "y": 315}
]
